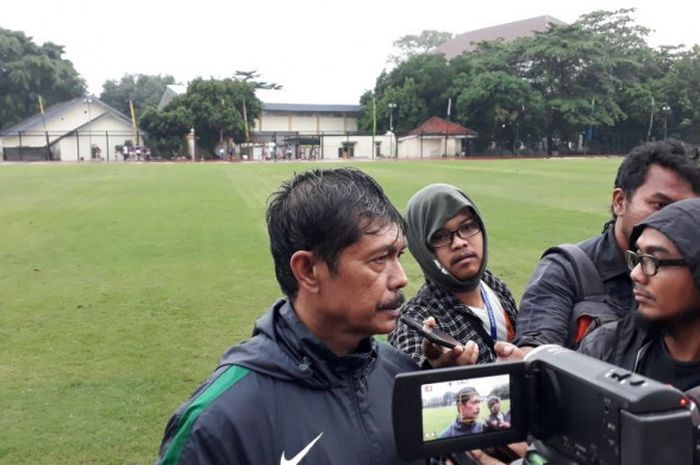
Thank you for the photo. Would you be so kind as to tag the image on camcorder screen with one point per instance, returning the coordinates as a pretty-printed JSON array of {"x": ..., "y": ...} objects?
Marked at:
[{"x": 468, "y": 406}]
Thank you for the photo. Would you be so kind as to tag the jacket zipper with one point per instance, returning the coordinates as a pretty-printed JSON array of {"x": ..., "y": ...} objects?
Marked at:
[{"x": 355, "y": 385}]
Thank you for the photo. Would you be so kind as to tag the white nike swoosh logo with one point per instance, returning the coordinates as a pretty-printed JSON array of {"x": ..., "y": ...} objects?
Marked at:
[{"x": 297, "y": 458}]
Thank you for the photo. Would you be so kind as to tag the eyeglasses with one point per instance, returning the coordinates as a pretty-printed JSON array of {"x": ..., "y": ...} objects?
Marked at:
[
  {"x": 444, "y": 238},
  {"x": 650, "y": 264}
]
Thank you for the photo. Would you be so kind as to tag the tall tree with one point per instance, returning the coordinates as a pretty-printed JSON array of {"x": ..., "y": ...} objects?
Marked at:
[
  {"x": 418, "y": 44},
  {"x": 569, "y": 67},
  {"x": 400, "y": 107},
  {"x": 143, "y": 90},
  {"x": 503, "y": 108},
  {"x": 636, "y": 69},
  {"x": 253, "y": 78},
  {"x": 430, "y": 77},
  {"x": 684, "y": 109},
  {"x": 28, "y": 71}
]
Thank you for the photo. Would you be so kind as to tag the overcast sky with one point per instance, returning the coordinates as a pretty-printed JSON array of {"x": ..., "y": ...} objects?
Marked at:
[{"x": 321, "y": 51}]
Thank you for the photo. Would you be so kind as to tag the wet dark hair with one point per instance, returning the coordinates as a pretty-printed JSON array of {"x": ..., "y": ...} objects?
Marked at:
[
  {"x": 324, "y": 211},
  {"x": 465, "y": 394},
  {"x": 676, "y": 155}
]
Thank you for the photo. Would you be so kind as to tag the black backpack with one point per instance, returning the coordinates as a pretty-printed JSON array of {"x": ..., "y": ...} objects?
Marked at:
[{"x": 593, "y": 306}]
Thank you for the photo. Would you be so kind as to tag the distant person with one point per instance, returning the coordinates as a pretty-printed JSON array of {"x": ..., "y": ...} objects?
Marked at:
[
  {"x": 651, "y": 177},
  {"x": 312, "y": 385},
  {"x": 662, "y": 339},
  {"x": 447, "y": 236},
  {"x": 495, "y": 420},
  {"x": 468, "y": 403}
]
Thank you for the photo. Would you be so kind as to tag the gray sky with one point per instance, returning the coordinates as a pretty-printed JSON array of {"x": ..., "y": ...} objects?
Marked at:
[{"x": 321, "y": 51}]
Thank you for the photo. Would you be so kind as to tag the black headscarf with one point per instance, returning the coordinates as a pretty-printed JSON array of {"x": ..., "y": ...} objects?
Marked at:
[{"x": 427, "y": 211}]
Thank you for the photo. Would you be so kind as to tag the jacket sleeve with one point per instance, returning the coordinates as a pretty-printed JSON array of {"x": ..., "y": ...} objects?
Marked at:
[
  {"x": 205, "y": 448},
  {"x": 546, "y": 306},
  {"x": 218, "y": 425}
]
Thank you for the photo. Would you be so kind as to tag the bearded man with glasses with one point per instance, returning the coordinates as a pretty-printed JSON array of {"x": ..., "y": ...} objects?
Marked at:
[
  {"x": 447, "y": 236},
  {"x": 662, "y": 339}
]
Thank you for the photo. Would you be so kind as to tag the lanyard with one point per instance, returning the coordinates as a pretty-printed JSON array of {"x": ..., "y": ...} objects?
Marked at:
[{"x": 489, "y": 312}]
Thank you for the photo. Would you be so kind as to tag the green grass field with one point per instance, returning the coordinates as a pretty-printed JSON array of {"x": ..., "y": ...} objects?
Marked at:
[{"x": 120, "y": 285}]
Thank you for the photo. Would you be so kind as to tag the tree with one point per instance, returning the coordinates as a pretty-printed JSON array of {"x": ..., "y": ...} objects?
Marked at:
[
  {"x": 417, "y": 86},
  {"x": 409, "y": 110},
  {"x": 29, "y": 71},
  {"x": 214, "y": 107},
  {"x": 503, "y": 108},
  {"x": 252, "y": 78},
  {"x": 143, "y": 90},
  {"x": 166, "y": 129},
  {"x": 569, "y": 67},
  {"x": 425, "y": 42},
  {"x": 684, "y": 106},
  {"x": 490, "y": 96},
  {"x": 597, "y": 78},
  {"x": 502, "y": 391},
  {"x": 635, "y": 67}
]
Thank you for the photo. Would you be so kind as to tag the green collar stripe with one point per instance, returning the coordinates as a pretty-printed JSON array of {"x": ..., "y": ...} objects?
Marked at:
[{"x": 205, "y": 398}]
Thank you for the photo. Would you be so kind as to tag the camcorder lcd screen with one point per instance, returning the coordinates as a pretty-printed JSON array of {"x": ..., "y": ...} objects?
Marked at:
[
  {"x": 445, "y": 410},
  {"x": 464, "y": 407}
]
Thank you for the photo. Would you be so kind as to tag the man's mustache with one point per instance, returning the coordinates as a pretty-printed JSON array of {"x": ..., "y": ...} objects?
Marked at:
[
  {"x": 396, "y": 302},
  {"x": 462, "y": 256}
]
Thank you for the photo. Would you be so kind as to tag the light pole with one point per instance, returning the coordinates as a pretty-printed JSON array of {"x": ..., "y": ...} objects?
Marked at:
[
  {"x": 88, "y": 100},
  {"x": 191, "y": 144},
  {"x": 391, "y": 116},
  {"x": 391, "y": 127},
  {"x": 666, "y": 109},
  {"x": 651, "y": 119}
]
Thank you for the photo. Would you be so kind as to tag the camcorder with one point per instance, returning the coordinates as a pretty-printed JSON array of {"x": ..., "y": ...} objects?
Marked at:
[{"x": 571, "y": 409}]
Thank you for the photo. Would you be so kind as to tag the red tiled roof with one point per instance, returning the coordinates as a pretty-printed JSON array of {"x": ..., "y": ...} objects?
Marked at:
[
  {"x": 468, "y": 41},
  {"x": 437, "y": 125}
]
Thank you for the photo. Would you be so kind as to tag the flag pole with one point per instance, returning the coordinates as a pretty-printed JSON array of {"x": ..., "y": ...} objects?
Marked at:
[
  {"x": 374, "y": 125},
  {"x": 133, "y": 121},
  {"x": 43, "y": 122}
]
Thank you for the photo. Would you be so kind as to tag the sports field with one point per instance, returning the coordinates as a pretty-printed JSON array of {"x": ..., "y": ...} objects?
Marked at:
[{"x": 120, "y": 285}]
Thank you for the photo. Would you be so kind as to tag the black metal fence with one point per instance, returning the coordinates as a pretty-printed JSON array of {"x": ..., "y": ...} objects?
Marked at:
[
  {"x": 78, "y": 145},
  {"x": 113, "y": 146}
]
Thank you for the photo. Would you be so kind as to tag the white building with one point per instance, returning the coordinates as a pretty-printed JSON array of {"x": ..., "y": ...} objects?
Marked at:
[
  {"x": 78, "y": 130},
  {"x": 290, "y": 130},
  {"x": 436, "y": 138},
  {"x": 303, "y": 131}
]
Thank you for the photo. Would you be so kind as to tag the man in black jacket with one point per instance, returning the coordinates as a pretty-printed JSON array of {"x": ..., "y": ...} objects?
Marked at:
[
  {"x": 661, "y": 340},
  {"x": 651, "y": 177},
  {"x": 312, "y": 384}
]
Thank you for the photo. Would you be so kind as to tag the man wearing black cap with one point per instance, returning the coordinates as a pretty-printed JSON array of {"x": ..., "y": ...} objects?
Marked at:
[
  {"x": 662, "y": 339},
  {"x": 447, "y": 236},
  {"x": 468, "y": 409}
]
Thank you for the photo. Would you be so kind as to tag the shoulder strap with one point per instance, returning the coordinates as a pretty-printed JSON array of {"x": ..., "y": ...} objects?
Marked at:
[
  {"x": 478, "y": 326},
  {"x": 588, "y": 282}
]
